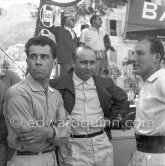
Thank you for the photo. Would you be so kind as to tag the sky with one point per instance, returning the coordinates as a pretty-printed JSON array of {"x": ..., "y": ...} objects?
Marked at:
[{"x": 7, "y": 3}]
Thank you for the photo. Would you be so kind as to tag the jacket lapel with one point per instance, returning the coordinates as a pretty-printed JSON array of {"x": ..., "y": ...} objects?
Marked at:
[
  {"x": 103, "y": 94},
  {"x": 66, "y": 83}
]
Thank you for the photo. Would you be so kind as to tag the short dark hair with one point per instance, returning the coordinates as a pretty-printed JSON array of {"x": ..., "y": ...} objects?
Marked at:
[
  {"x": 85, "y": 47},
  {"x": 41, "y": 40},
  {"x": 93, "y": 17},
  {"x": 156, "y": 46},
  {"x": 84, "y": 26}
]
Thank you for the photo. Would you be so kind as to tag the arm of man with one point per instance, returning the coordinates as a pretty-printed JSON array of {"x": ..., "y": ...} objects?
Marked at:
[
  {"x": 21, "y": 124},
  {"x": 82, "y": 39},
  {"x": 119, "y": 98},
  {"x": 55, "y": 31},
  {"x": 54, "y": 134},
  {"x": 63, "y": 126}
]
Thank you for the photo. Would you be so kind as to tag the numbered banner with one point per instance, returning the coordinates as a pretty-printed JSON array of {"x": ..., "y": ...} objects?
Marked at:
[{"x": 47, "y": 16}]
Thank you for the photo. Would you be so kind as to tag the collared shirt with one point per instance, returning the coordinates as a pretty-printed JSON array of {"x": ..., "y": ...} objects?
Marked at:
[
  {"x": 71, "y": 31},
  {"x": 93, "y": 38},
  {"x": 150, "y": 111},
  {"x": 27, "y": 105},
  {"x": 87, "y": 114}
]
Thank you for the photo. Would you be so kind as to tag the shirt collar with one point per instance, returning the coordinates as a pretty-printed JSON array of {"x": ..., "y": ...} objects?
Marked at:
[
  {"x": 77, "y": 81},
  {"x": 156, "y": 75},
  {"x": 67, "y": 28},
  {"x": 34, "y": 85}
]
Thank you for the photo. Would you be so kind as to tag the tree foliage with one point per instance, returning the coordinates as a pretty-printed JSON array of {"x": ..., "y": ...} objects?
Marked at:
[{"x": 88, "y": 7}]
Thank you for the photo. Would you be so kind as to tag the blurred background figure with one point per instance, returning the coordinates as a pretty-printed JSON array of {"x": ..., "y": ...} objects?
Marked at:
[
  {"x": 7, "y": 78},
  {"x": 95, "y": 38},
  {"x": 84, "y": 26},
  {"x": 67, "y": 41}
]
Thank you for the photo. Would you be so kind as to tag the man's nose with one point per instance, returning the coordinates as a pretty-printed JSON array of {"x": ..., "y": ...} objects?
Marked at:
[
  {"x": 39, "y": 60},
  {"x": 134, "y": 57},
  {"x": 88, "y": 66}
]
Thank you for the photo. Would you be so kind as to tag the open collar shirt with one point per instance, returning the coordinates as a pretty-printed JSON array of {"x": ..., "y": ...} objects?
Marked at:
[
  {"x": 87, "y": 114},
  {"x": 28, "y": 105},
  {"x": 150, "y": 113}
]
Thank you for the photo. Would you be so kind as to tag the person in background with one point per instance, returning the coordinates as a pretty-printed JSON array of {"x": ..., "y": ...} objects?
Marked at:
[
  {"x": 67, "y": 41},
  {"x": 92, "y": 102},
  {"x": 84, "y": 26},
  {"x": 3, "y": 141},
  {"x": 95, "y": 38},
  {"x": 36, "y": 119},
  {"x": 8, "y": 78},
  {"x": 150, "y": 108},
  {"x": 2, "y": 95}
]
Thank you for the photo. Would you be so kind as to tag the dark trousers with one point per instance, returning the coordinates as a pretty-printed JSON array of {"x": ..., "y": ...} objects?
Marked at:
[{"x": 3, "y": 149}]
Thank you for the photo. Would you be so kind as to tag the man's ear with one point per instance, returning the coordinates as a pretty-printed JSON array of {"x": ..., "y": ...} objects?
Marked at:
[
  {"x": 27, "y": 62},
  {"x": 157, "y": 57},
  {"x": 55, "y": 63},
  {"x": 73, "y": 64}
]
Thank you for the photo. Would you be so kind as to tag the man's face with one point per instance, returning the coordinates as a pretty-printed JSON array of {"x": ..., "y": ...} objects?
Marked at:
[
  {"x": 85, "y": 64},
  {"x": 70, "y": 21},
  {"x": 143, "y": 59},
  {"x": 40, "y": 62},
  {"x": 97, "y": 22}
]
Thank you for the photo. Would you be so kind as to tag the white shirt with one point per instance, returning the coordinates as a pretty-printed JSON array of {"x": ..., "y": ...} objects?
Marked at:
[
  {"x": 150, "y": 111},
  {"x": 87, "y": 114},
  {"x": 93, "y": 38}
]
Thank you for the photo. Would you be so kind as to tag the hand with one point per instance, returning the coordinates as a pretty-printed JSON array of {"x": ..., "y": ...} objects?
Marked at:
[{"x": 36, "y": 135}]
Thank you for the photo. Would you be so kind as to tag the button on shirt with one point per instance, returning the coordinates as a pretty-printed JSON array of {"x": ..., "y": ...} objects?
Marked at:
[
  {"x": 150, "y": 113},
  {"x": 87, "y": 115},
  {"x": 93, "y": 38},
  {"x": 28, "y": 105}
]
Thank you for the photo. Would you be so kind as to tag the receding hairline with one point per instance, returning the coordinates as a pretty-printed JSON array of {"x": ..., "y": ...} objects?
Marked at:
[
  {"x": 85, "y": 49},
  {"x": 82, "y": 48}
]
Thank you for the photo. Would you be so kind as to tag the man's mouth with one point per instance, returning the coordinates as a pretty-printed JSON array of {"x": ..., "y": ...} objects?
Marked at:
[{"x": 135, "y": 66}]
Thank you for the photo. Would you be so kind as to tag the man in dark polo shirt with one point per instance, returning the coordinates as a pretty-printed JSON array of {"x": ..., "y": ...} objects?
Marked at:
[{"x": 7, "y": 78}]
